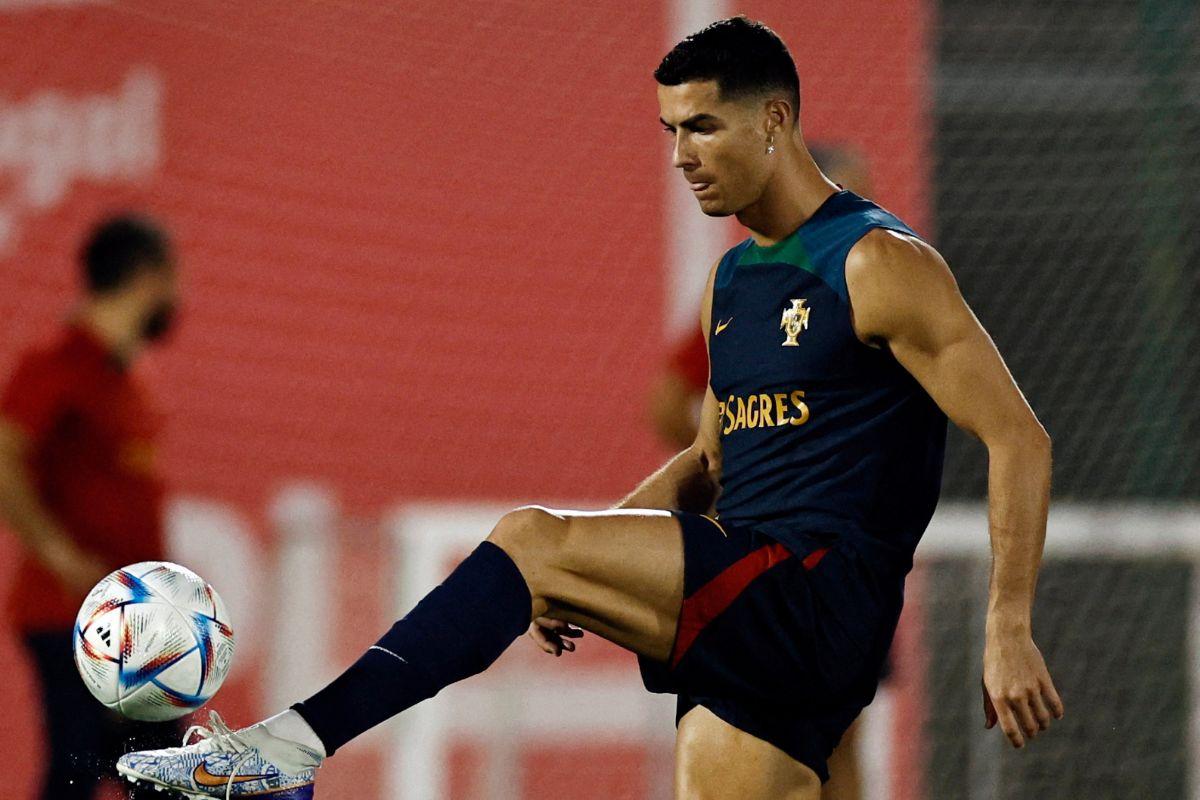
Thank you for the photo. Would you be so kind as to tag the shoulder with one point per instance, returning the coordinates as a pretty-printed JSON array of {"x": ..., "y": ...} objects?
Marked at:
[
  {"x": 894, "y": 258},
  {"x": 42, "y": 384},
  {"x": 722, "y": 271},
  {"x": 891, "y": 276},
  {"x": 880, "y": 246},
  {"x": 706, "y": 302},
  {"x": 61, "y": 359},
  {"x": 43, "y": 357}
]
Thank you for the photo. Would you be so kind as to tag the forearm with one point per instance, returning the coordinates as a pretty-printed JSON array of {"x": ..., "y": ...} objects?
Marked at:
[
  {"x": 1018, "y": 501},
  {"x": 685, "y": 483}
]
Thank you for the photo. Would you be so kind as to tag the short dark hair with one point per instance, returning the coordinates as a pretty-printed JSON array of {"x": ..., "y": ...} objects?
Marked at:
[
  {"x": 120, "y": 247},
  {"x": 743, "y": 56}
]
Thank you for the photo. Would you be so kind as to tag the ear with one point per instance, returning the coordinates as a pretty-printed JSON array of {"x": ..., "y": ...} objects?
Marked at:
[{"x": 778, "y": 112}]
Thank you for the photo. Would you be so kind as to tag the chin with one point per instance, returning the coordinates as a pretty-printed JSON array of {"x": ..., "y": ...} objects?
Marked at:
[{"x": 714, "y": 208}]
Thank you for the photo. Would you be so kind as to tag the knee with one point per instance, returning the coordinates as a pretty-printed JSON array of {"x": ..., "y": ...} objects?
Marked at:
[{"x": 529, "y": 534}]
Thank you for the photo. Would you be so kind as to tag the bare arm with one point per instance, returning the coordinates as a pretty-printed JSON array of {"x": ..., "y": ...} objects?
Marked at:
[
  {"x": 905, "y": 298},
  {"x": 36, "y": 527},
  {"x": 689, "y": 481},
  {"x": 672, "y": 411}
]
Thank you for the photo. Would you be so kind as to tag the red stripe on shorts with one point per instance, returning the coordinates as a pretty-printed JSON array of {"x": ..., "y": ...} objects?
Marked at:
[
  {"x": 812, "y": 559},
  {"x": 707, "y": 602}
]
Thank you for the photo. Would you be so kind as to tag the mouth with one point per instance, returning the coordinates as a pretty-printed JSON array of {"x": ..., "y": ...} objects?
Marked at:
[{"x": 699, "y": 188}]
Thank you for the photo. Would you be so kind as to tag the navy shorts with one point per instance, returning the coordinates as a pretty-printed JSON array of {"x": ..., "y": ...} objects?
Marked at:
[{"x": 786, "y": 646}]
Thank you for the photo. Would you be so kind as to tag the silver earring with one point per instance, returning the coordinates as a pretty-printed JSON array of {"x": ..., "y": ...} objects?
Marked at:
[{"x": 770, "y": 146}]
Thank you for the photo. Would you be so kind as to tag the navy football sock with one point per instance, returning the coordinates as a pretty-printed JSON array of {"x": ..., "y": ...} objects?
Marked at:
[{"x": 456, "y": 631}]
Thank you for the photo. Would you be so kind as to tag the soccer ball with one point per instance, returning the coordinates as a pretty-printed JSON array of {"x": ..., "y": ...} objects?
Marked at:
[{"x": 153, "y": 641}]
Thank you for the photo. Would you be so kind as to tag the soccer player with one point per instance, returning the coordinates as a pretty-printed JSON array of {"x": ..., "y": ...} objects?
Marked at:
[
  {"x": 839, "y": 344},
  {"x": 678, "y": 395},
  {"x": 80, "y": 488}
]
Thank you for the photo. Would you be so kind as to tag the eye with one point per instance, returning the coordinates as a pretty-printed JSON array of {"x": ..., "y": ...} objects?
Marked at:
[{"x": 668, "y": 131}]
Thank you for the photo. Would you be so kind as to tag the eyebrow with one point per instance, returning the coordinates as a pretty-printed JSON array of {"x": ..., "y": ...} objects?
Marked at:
[{"x": 691, "y": 122}]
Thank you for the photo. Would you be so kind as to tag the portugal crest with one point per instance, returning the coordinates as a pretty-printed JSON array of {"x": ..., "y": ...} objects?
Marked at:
[{"x": 795, "y": 320}]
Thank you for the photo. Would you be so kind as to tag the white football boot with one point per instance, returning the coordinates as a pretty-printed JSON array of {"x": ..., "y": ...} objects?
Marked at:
[{"x": 228, "y": 764}]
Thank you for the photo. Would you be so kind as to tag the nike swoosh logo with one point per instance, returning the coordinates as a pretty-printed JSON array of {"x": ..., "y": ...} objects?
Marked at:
[
  {"x": 204, "y": 778},
  {"x": 722, "y": 326}
]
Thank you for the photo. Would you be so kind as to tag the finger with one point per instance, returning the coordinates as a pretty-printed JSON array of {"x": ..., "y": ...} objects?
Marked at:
[
  {"x": 568, "y": 645},
  {"x": 1024, "y": 714},
  {"x": 551, "y": 624},
  {"x": 1008, "y": 724},
  {"x": 1040, "y": 710},
  {"x": 989, "y": 710},
  {"x": 555, "y": 629},
  {"x": 539, "y": 638},
  {"x": 1052, "y": 699}
]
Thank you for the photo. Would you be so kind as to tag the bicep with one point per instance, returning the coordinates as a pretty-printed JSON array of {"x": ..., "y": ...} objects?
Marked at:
[
  {"x": 961, "y": 369},
  {"x": 708, "y": 434},
  {"x": 905, "y": 297}
]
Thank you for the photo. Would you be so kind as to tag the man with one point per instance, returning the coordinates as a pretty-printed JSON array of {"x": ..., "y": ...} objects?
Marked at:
[
  {"x": 823, "y": 433},
  {"x": 677, "y": 396},
  {"x": 79, "y": 487}
]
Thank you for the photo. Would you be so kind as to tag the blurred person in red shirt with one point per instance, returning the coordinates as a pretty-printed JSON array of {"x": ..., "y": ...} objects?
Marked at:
[
  {"x": 675, "y": 400},
  {"x": 79, "y": 485}
]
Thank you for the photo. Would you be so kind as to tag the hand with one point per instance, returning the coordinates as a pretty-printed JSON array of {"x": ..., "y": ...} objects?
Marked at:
[
  {"x": 553, "y": 635},
  {"x": 1017, "y": 689},
  {"x": 78, "y": 570}
]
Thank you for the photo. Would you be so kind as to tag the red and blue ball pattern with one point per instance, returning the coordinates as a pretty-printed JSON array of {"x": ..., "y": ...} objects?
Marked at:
[{"x": 153, "y": 640}]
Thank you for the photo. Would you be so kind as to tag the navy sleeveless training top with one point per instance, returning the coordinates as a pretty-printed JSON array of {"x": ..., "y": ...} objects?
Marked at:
[{"x": 821, "y": 434}]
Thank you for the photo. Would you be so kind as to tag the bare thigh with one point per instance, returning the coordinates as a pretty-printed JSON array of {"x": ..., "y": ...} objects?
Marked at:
[
  {"x": 844, "y": 781},
  {"x": 618, "y": 574},
  {"x": 716, "y": 761}
]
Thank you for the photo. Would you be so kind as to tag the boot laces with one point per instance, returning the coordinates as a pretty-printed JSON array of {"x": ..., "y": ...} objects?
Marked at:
[{"x": 223, "y": 740}]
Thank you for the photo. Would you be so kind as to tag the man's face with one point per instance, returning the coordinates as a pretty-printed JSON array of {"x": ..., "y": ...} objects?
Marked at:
[
  {"x": 719, "y": 145},
  {"x": 158, "y": 290}
]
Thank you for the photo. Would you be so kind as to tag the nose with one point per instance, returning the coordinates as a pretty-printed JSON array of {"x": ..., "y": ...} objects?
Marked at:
[{"x": 683, "y": 155}]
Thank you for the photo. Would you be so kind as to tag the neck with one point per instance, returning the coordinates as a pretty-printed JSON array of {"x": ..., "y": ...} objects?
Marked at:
[
  {"x": 792, "y": 195},
  {"x": 110, "y": 322}
]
